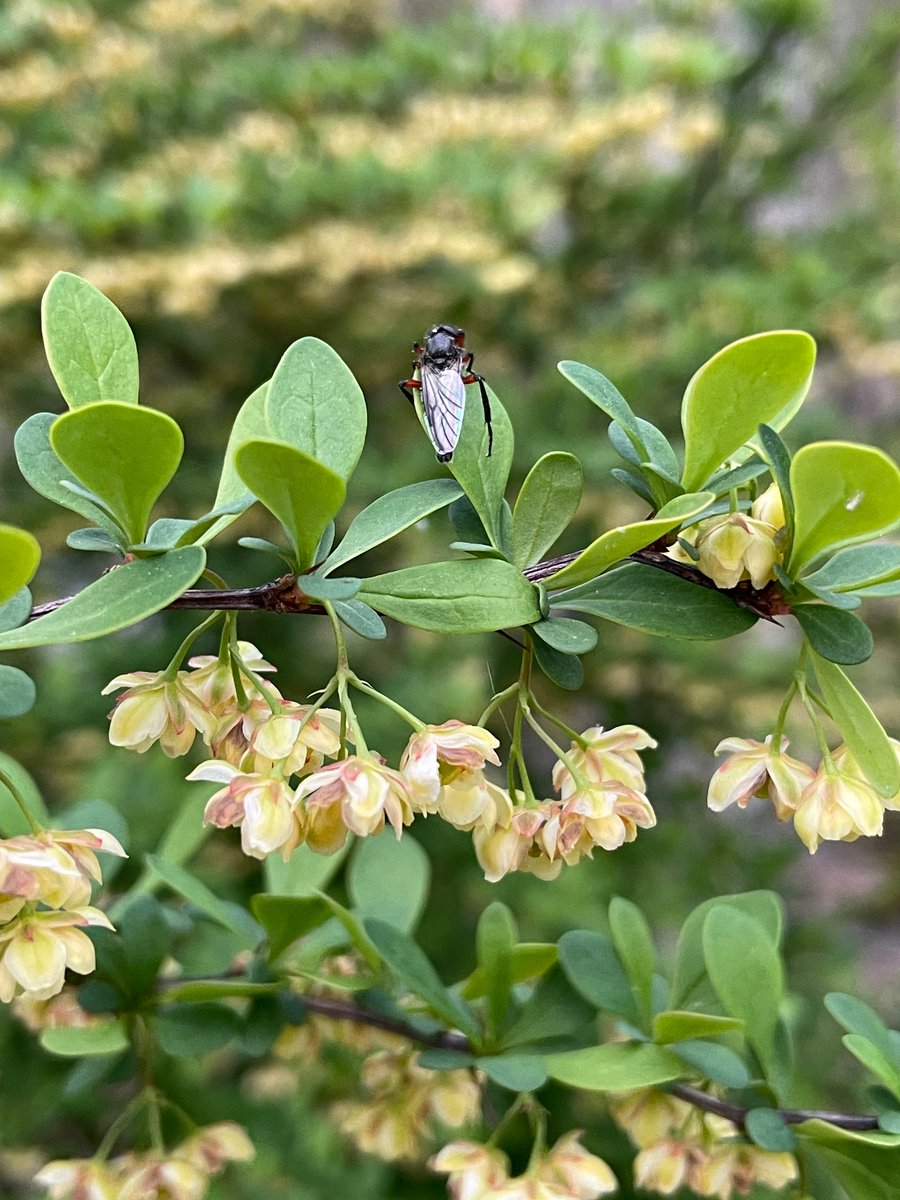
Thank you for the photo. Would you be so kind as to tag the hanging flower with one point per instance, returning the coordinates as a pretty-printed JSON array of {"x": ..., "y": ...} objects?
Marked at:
[
  {"x": 428, "y": 755},
  {"x": 731, "y": 548},
  {"x": 469, "y": 799},
  {"x": 79, "y": 1179},
  {"x": 154, "y": 709},
  {"x": 294, "y": 739},
  {"x": 837, "y": 807},
  {"x": 37, "y": 949},
  {"x": 573, "y": 1172},
  {"x": 612, "y": 755},
  {"x": 516, "y": 846},
  {"x": 365, "y": 791},
  {"x": 844, "y": 760},
  {"x": 606, "y": 814},
  {"x": 262, "y": 805},
  {"x": 756, "y": 769},
  {"x": 475, "y": 1171},
  {"x": 565, "y": 1172}
]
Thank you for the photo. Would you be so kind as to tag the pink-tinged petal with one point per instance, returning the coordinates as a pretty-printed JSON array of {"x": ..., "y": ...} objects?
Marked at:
[
  {"x": 132, "y": 679},
  {"x": 80, "y": 954},
  {"x": 269, "y": 822},
  {"x": 224, "y": 810},
  {"x": 215, "y": 771},
  {"x": 36, "y": 959}
]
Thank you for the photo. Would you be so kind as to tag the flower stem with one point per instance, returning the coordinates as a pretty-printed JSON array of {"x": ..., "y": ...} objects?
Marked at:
[
  {"x": 33, "y": 824},
  {"x": 497, "y": 700},
  {"x": 581, "y": 780},
  {"x": 368, "y": 690},
  {"x": 181, "y": 653}
]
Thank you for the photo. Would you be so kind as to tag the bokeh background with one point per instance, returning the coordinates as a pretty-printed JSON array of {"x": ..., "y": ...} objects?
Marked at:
[{"x": 629, "y": 184}]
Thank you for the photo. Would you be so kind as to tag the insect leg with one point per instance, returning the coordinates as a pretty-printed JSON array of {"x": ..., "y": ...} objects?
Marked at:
[
  {"x": 485, "y": 404},
  {"x": 406, "y": 386}
]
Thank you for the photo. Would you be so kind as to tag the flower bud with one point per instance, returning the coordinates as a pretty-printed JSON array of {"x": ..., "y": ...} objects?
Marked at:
[
  {"x": 731, "y": 548},
  {"x": 769, "y": 507}
]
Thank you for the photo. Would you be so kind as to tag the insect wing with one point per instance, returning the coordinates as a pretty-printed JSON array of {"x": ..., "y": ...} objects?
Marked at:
[{"x": 444, "y": 401}]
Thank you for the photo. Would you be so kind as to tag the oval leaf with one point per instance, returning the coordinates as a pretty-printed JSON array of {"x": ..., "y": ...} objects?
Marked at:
[
  {"x": 634, "y": 945},
  {"x": 680, "y": 1026},
  {"x": 17, "y": 692},
  {"x": 857, "y": 568},
  {"x": 301, "y": 492},
  {"x": 547, "y": 502},
  {"x": 405, "y": 864},
  {"x": 315, "y": 404},
  {"x": 605, "y": 395},
  {"x": 361, "y": 619},
  {"x": 566, "y": 635},
  {"x": 483, "y": 478},
  {"x": 594, "y": 968},
  {"x": 19, "y": 558},
  {"x": 617, "y": 1067},
  {"x": 125, "y": 595},
  {"x": 565, "y": 670},
  {"x": 655, "y": 601},
  {"x": 515, "y": 1072},
  {"x": 455, "y": 597},
  {"x": 758, "y": 380},
  {"x": 745, "y": 969},
  {"x": 108, "y": 1037},
  {"x": 843, "y": 493},
  {"x": 859, "y": 727},
  {"x": 391, "y": 514},
  {"x": 837, "y": 635},
  {"x": 124, "y": 454},
  {"x": 89, "y": 344},
  {"x": 16, "y": 610}
]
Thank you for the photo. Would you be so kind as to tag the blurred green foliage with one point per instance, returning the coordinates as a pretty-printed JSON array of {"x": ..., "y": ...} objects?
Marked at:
[{"x": 630, "y": 191}]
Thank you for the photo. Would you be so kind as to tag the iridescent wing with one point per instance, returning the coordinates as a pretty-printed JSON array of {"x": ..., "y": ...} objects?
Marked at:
[{"x": 444, "y": 401}]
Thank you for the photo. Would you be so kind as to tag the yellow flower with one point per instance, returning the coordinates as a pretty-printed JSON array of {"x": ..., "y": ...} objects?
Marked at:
[
  {"x": 79, "y": 1179},
  {"x": 281, "y": 739},
  {"x": 475, "y": 1171},
  {"x": 605, "y": 815},
  {"x": 469, "y": 799},
  {"x": 155, "y": 709},
  {"x": 262, "y": 805},
  {"x": 159, "y": 1177},
  {"x": 837, "y": 807},
  {"x": 755, "y": 769},
  {"x": 214, "y": 1145},
  {"x": 649, "y": 1116},
  {"x": 36, "y": 950},
  {"x": 844, "y": 760},
  {"x": 664, "y": 1166},
  {"x": 505, "y": 847},
  {"x": 610, "y": 755},
  {"x": 365, "y": 791},
  {"x": 454, "y": 744},
  {"x": 769, "y": 507},
  {"x": 731, "y": 548},
  {"x": 573, "y": 1172}
]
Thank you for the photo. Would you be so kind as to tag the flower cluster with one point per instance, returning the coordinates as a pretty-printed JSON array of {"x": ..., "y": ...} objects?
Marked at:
[
  {"x": 183, "y": 1173},
  {"x": 565, "y": 1172},
  {"x": 734, "y": 547},
  {"x": 679, "y": 1146},
  {"x": 602, "y": 802},
  {"x": 45, "y": 892},
  {"x": 832, "y": 803},
  {"x": 404, "y": 1102}
]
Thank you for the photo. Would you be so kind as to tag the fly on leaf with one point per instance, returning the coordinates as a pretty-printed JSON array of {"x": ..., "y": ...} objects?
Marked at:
[{"x": 441, "y": 370}]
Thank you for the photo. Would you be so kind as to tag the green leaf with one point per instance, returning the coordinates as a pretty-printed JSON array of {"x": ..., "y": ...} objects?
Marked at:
[
  {"x": 320, "y": 588},
  {"x": 758, "y": 380},
  {"x": 146, "y": 938},
  {"x": 856, "y": 1016},
  {"x": 858, "y": 726},
  {"x": 779, "y": 460},
  {"x": 89, "y": 344},
  {"x": 302, "y": 493},
  {"x": 16, "y": 610},
  {"x": 408, "y": 962},
  {"x": 528, "y": 961},
  {"x": 483, "y": 479},
  {"x": 593, "y": 966},
  {"x": 843, "y": 493},
  {"x": 93, "y": 539},
  {"x": 678, "y": 1025},
  {"x": 12, "y": 819},
  {"x": 315, "y": 404},
  {"x": 865, "y": 1164},
  {"x": 657, "y": 602},
  {"x": 230, "y": 916},
  {"x": 636, "y": 951},
  {"x": 405, "y": 864},
  {"x": 515, "y": 1072},
  {"x": 19, "y": 558},
  {"x": 305, "y": 872},
  {"x": 616, "y": 544},
  {"x": 605, "y": 395},
  {"x": 764, "y": 907},
  {"x": 168, "y": 532},
  {"x": 617, "y": 1067},
  {"x": 768, "y": 1130},
  {"x": 125, "y": 595},
  {"x": 361, "y": 619},
  {"x": 555, "y": 1009},
  {"x": 838, "y": 636},
  {"x": 547, "y": 502},
  {"x": 455, "y": 597},
  {"x": 736, "y": 477},
  {"x": 566, "y": 635},
  {"x": 196, "y": 990},
  {"x": 565, "y": 670},
  {"x": 44, "y": 472},
  {"x": 189, "y": 1030},
  {"x": 287, "y": 918},
  {"x": 745, "y": 969},
  {"x": 719, "y": 1064},
  {"x": 876, "y": 1060},
  {"x": 108, "y": 1037},
  {"x": 636, "y": 483},
  {"x": 17, "y": 692},
  {"x": 389, "y": 515},
  {"x": 857, "y": 568},
  {"x": 495, "y": 940},
  {"x": 124, "y": 454},
  {"x": 250, "y": 423}
]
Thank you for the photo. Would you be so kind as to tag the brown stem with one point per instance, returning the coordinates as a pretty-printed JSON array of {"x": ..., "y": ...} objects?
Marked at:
[{"x": 790, "y": 1116}]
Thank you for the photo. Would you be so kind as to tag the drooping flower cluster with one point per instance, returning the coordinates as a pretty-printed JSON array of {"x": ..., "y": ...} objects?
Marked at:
[
  {"x": 602, "y": 802},
  {"x": 680, "y": 1146},
  {"x": 183, "y": 1173},
  {"x": 735, "y": 547},
  {"x": 833, "y": 803},
  {"x": 564, "y": 1172},
  {"x": 45, "y": 892},
  {"x": 288, "y": 778}
]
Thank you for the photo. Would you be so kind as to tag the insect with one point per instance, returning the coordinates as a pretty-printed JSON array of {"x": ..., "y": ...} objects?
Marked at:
[{"x": 441, "y": 369}]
